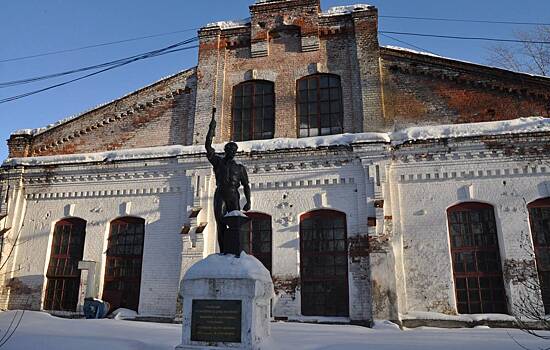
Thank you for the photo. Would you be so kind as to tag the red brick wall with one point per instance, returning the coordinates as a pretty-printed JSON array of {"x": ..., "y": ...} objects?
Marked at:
[
  {"x": 159, "y": 115},
  {"x": 285, "y": 42},
  {"x": 429, "y": 90}
]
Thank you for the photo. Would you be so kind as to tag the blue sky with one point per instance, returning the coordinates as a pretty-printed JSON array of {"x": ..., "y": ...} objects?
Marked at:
[{"x": 30, "y": 27}]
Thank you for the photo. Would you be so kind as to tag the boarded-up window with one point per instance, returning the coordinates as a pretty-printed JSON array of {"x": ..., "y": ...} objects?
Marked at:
[
  {"x": 324, "y": 263},
  {"x": 539, "y": 217},
  {"x": 253, "y": 111},
  {"x": 476, "y": 259},
  {"x": 319, "y": 105},
  {"x": 63, "y": 275},
  {"x": 123, "y": 266}
]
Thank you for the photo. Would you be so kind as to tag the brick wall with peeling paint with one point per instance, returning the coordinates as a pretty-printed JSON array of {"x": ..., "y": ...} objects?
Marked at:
[
  {"x": 433, "y": 90},
  {"x": 158, "y": 115},
  {"x": 460, "y": 172},
  {"x": 287, "y": 41}
]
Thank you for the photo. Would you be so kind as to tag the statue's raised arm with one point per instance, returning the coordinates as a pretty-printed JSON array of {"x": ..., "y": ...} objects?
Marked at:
[{"x": 210, "y": 136}]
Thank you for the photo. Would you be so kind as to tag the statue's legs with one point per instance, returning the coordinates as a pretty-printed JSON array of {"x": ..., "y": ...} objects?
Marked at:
[
  {"x": 225, "y": 201},
  {"x": 231, "y": 197},
  {"x": 219, "y": 212}
]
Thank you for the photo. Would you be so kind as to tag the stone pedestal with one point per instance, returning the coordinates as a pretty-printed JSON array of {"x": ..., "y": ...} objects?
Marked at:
[{"x": 226, "y": 303}]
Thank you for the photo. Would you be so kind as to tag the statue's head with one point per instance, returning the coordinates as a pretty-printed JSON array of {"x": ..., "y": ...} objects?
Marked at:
[{"x": 230, "y": 150}]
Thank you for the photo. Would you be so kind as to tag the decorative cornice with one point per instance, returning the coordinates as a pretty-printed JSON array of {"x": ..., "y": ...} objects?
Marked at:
[
  {"x": 451, "y": 70},
  {"x": 140, "y": 107}
]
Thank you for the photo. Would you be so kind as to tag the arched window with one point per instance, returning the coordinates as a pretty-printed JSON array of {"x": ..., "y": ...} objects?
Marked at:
[
  {"x": 253, "y": 111},
  {"x": 320, "y": 105},
  {"x": 539, "y": 217},
  {"x": 324, "y": 263},
  {"x": 63, "y": 275},
  {"x": 258, "y": 240},
  {"x": 123, "y": 266},
  {"x": 476, "y": 259}
]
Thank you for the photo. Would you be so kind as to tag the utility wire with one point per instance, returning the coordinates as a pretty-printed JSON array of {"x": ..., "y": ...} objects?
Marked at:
[
  {"x": 465, "y": 37},
  {"x": 78, "y": 70},
  {"x": 407, "y": 43},
  {"x": 166, "y": 50},
  {"x": 466, "y": 20},
  {"x": 463, "y": 20},
  {"x": 94, "y": 46}
]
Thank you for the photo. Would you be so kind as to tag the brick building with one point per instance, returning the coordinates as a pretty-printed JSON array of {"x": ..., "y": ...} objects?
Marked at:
[{"x": 374, "y": 193}]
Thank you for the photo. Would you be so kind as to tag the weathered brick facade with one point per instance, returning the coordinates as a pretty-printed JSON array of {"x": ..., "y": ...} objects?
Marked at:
[
  {"x": 433, "y": 90},
  {"x": 383, "y": 88},
  {"x": 157, "y": 115},
  {"x": 393, "y": 193}
]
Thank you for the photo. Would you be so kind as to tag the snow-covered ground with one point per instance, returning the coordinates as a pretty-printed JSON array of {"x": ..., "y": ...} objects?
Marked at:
[{"x": 40, "y": 331}]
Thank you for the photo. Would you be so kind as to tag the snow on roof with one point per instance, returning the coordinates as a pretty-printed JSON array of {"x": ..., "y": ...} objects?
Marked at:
[
  {"x": 345, "y": 10},
  {"x": 515, "y": 126},
  {"x": 178, "y": 150},
  {"x": 428, "y": 132},
  {"x": 37, "y": 131},
  {"x": 229, "y": 24},
  {"x": 413, "y": 51},
  {"x": 228, "y": 266}
]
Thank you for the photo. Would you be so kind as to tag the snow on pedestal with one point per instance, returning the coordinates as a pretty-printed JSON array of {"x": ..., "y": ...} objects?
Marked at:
[{"x": 225, "y": 288}]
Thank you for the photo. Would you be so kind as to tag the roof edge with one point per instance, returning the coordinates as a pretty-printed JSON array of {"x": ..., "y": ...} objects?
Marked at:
[
  {"x": 393, "y": 50},
  {"x": 61, "y": 122}
]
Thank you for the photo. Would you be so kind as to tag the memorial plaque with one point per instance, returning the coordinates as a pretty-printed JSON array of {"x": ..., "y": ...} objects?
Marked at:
[{"x": 216, "y": 321}]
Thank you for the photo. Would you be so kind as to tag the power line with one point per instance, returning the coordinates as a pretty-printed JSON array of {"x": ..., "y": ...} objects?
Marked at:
[
  {"x": 465, "y": 37},
  {"x": 163, "y": 51},
  {"x": 95, "y": 45},
  {"x": 78, "y": 70},
  {"x": 407, "y": 43},
  {"x": 466, "y": 20},
  {"x": 192, "y": 29}
]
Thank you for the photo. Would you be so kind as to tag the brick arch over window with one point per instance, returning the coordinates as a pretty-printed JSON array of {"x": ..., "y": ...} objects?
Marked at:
[
  {"x": 539, "y": 219},
  {"x": 63, "y": 275},
  {"x": 476, "y": 259},
  {"x": 319, "y": 105},
  {"x": 258, "y": 240},
  {"x": 324, "y": 263},
  {"x": 123, "y": 266},
  {"x": 253, "y": 111}
]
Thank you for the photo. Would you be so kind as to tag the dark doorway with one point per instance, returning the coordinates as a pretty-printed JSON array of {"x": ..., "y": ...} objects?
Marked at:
[
  {"x": 63, "y": 275},
  {"x": 123, "y": 266},
  {"x": 539, "y": 217},
  {"x": 258, "y": 240},
  {"x": 324, "y": 263},
  {"x": 476, "y": 259}
]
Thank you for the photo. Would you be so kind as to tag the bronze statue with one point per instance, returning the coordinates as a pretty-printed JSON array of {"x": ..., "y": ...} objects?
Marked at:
[{"x": 229, "y": 177}]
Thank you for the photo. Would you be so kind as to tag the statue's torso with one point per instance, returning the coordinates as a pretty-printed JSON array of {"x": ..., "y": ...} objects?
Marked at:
[{"x": 228, "y": 174}]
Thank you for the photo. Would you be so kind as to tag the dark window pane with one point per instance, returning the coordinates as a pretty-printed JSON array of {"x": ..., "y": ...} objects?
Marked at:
[
  {"x": 323, "y": 267},
  {"x": 476, "y": 264},
  {"x": 539, "y": 218},
  {"x": 63, "y": 275},
  {"x": 123, "y": 263},
  {"x": 250, "y": 114},
  {"x": 323, "y": 105}
]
